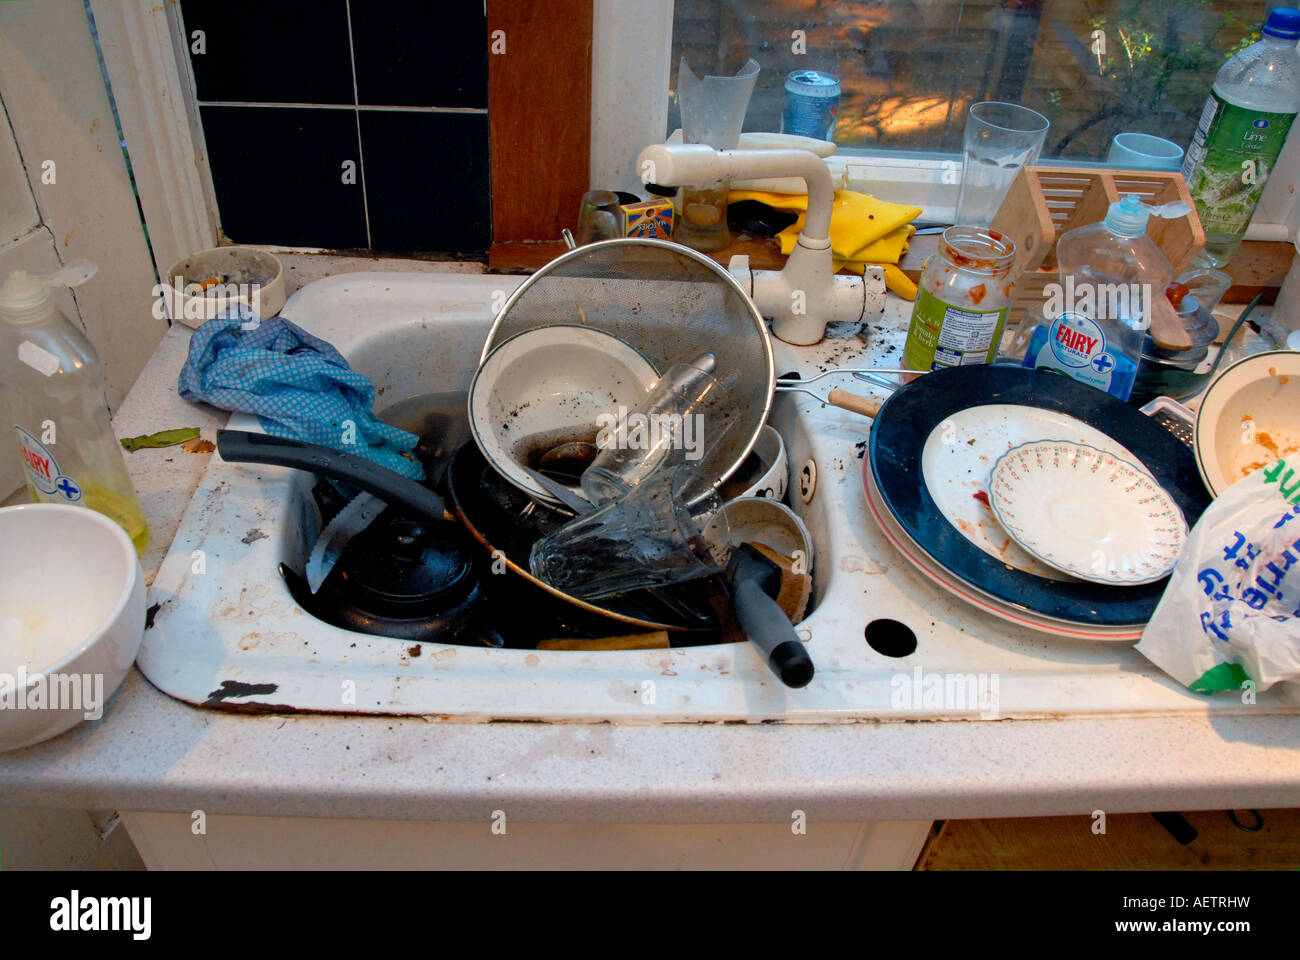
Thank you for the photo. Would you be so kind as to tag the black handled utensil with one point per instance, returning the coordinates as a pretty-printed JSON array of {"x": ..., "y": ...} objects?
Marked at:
[
  {"x": 239, "y": 446},
  {"x": 755, "y": 581}
]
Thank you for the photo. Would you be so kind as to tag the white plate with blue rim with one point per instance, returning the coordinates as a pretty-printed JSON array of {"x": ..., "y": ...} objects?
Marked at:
[{"x": 1087, "y": 512}]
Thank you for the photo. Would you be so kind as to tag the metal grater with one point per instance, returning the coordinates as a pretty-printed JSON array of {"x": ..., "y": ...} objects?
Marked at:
[{"x": 1174, "y": 417}]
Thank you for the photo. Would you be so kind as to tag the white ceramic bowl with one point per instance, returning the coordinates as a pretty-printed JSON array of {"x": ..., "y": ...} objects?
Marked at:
[
  {"x": 772, "y": 472},
  {"x": 261, "y": 271},
  {"x": 549, "y": 386},
  {"x": 72, "y": 609},
  {"x": 773, "y": 524},
  {"x": 1248, "y": 418}
]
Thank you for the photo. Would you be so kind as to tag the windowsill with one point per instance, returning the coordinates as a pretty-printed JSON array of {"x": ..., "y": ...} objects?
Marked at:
[{"x": 1259, "y": 267}]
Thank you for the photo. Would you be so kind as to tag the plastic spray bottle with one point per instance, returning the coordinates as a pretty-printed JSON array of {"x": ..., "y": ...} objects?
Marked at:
[{"x": 54, "y": 385}]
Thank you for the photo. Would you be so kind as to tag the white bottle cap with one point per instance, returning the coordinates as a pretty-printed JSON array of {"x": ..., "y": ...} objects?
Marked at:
[
  {"x": 25, "y": 298},
  {"x": 1128, "y": 216}
]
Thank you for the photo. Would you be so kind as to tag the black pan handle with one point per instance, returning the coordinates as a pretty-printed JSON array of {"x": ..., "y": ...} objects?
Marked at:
[
  {"x": 763, "y": 620},
  {"x": 239, "y": 446}
]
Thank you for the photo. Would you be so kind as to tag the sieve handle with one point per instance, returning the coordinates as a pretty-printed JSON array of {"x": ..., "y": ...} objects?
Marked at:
[{"x": 852, "y": 401}]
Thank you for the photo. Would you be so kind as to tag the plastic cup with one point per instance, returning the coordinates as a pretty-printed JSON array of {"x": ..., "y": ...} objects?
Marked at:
[
  {"x": 1001, "y": 138},
  {"x": 1141, "y": 151}
]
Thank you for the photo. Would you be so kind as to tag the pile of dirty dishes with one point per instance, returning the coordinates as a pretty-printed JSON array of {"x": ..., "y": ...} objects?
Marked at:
[
  {"x": 578, "y": 419},
  {"x": 582, "y": 422}
]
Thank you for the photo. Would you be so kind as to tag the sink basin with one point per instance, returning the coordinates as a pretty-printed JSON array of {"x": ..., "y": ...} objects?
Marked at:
[{"x": 227, "y": 633}]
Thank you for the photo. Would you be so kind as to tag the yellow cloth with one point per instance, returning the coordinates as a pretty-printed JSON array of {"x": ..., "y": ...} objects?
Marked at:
[
  {"x": 888, "y": 249},
  {"x": 895, "y": 278},
  {"x": 858, "y": 220},
  {"x": 864, "y": 231}
]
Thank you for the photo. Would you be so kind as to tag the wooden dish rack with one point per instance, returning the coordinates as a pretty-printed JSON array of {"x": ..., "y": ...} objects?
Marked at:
[{"x": 1044, "y": 202}]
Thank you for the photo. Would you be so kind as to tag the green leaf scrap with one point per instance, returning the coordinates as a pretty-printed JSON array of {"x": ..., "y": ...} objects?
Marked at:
[{"x": 163, "y": 438}]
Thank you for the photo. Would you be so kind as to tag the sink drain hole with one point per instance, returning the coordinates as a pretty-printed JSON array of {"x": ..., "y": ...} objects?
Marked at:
[{"x": 890, "y": 638}]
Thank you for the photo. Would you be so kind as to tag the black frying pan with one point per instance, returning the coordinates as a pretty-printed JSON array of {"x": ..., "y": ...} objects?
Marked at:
[
  {"x": 491, "y": 509},
  {"x": 493, "y": 525},
  {"x": 505, "y": 530}
]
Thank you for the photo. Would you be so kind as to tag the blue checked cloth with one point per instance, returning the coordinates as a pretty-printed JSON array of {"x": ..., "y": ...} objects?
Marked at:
[{"x": 299, "y": 385}]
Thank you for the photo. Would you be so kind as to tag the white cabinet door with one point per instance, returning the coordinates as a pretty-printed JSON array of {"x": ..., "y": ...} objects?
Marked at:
[{"x": 178, "y": 841}]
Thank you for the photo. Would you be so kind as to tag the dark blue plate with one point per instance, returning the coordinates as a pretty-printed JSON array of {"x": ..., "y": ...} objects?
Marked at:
[{"x": 905, "y": 422}]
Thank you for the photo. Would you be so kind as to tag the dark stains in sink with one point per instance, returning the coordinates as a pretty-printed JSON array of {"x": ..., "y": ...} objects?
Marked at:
[
  {"x": 234, "y": 688},
  {"x": 253, "y": 536}
]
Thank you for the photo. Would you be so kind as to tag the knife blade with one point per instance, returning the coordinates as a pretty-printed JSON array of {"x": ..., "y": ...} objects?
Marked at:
[
  {"x": 576, "y": 502},
  {"x": 358, "y": 514}
]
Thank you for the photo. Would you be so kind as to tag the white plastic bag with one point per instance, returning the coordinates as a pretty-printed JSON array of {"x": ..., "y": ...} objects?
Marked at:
[{"x": 1230, "y": 616}]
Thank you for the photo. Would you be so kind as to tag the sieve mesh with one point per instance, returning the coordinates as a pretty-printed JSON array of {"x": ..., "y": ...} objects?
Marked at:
[{"x": 671, "y": 304}]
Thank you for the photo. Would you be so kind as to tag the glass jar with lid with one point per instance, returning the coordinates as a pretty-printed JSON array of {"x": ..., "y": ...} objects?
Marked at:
[{"x": 962, "y": 300}]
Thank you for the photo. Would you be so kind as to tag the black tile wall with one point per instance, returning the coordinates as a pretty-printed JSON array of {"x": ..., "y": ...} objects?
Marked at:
[
  {"x": 307, "y": 70},
  {"x": 287, "y": 51},
  {"x": 422, "y": 54},
  {"x": 279, "y": 175},
  {"x": 422, "y": 195}
]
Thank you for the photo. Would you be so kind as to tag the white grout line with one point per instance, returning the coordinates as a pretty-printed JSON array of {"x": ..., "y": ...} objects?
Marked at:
[
  {"x": 361, "y": 153},
  {"x": 384, "y": 108}
]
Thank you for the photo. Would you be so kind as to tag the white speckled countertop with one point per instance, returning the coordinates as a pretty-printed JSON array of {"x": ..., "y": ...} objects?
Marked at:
[{"x": 150, "y": 752}]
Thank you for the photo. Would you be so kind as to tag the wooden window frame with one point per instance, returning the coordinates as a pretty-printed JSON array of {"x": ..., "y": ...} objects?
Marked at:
[{"x": 539, "y": 113}]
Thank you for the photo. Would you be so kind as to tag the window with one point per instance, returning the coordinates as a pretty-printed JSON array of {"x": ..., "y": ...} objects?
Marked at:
[{"x": 908, "y": 69}]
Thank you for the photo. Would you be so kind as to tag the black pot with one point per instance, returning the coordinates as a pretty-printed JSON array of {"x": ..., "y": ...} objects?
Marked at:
[
  {"x": 411, "y": 575},
  {"x": 402, "y": 578}
]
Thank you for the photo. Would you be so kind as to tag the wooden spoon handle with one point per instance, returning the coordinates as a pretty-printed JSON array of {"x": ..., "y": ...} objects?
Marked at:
[
  {"x": 852, "y": 401},
  {"x": 1167, "y": 328}
]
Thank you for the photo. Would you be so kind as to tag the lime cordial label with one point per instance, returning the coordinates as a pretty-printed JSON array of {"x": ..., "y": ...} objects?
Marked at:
[{"x": 1232, "y": 153}]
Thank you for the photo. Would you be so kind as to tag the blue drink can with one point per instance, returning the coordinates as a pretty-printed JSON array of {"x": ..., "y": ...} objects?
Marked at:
[{"x": 812, "y": 102}]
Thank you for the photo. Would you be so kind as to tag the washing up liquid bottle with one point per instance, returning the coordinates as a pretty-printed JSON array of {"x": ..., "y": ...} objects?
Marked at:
[
  {"x": 1096, "y": 316},
  {"x": 1241, "y": 132},
  {"x": 54, "y": 386}
]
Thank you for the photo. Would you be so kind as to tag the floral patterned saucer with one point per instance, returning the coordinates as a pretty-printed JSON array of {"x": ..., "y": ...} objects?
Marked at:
[{"x": 1087, "y": 512}]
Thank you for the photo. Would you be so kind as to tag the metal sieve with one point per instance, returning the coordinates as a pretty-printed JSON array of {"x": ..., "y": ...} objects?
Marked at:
[{"x": 671, "y": 304}]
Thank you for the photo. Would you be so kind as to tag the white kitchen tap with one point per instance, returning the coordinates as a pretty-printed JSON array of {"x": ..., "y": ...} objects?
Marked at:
[{"x": 807, "y": 294}]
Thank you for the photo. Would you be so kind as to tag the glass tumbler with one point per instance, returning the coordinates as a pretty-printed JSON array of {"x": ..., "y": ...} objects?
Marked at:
[
  {"x": 660, "y": 533},
  {"x": 681, "y": 419},
  {"x": 1001, "y": 138},
  {"x": 598, "y": 217}
]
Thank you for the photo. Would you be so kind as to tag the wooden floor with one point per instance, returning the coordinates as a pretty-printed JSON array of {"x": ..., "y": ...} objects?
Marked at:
[{"x": 1133, "y": 841}]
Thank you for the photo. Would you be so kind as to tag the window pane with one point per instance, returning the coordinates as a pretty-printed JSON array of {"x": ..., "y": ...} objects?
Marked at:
[{"x": 909, "y": 69}]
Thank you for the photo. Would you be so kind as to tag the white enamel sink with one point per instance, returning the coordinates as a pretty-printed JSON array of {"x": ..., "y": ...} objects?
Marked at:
[{"x": 227, "y": 633}]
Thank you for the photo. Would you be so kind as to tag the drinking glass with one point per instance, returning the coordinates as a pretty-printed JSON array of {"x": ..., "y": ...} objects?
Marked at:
[
  {"x": 713, "y": 111},
  {"x": 598, "y": 217},
  {"x": 681, "y": 419},
  {"x": 1001, "y": 138},
  {"x": 662, "y": 532}
]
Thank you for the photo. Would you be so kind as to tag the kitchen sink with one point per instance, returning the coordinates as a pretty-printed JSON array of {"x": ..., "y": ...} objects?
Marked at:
[{"x": 226, "y": 633}]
